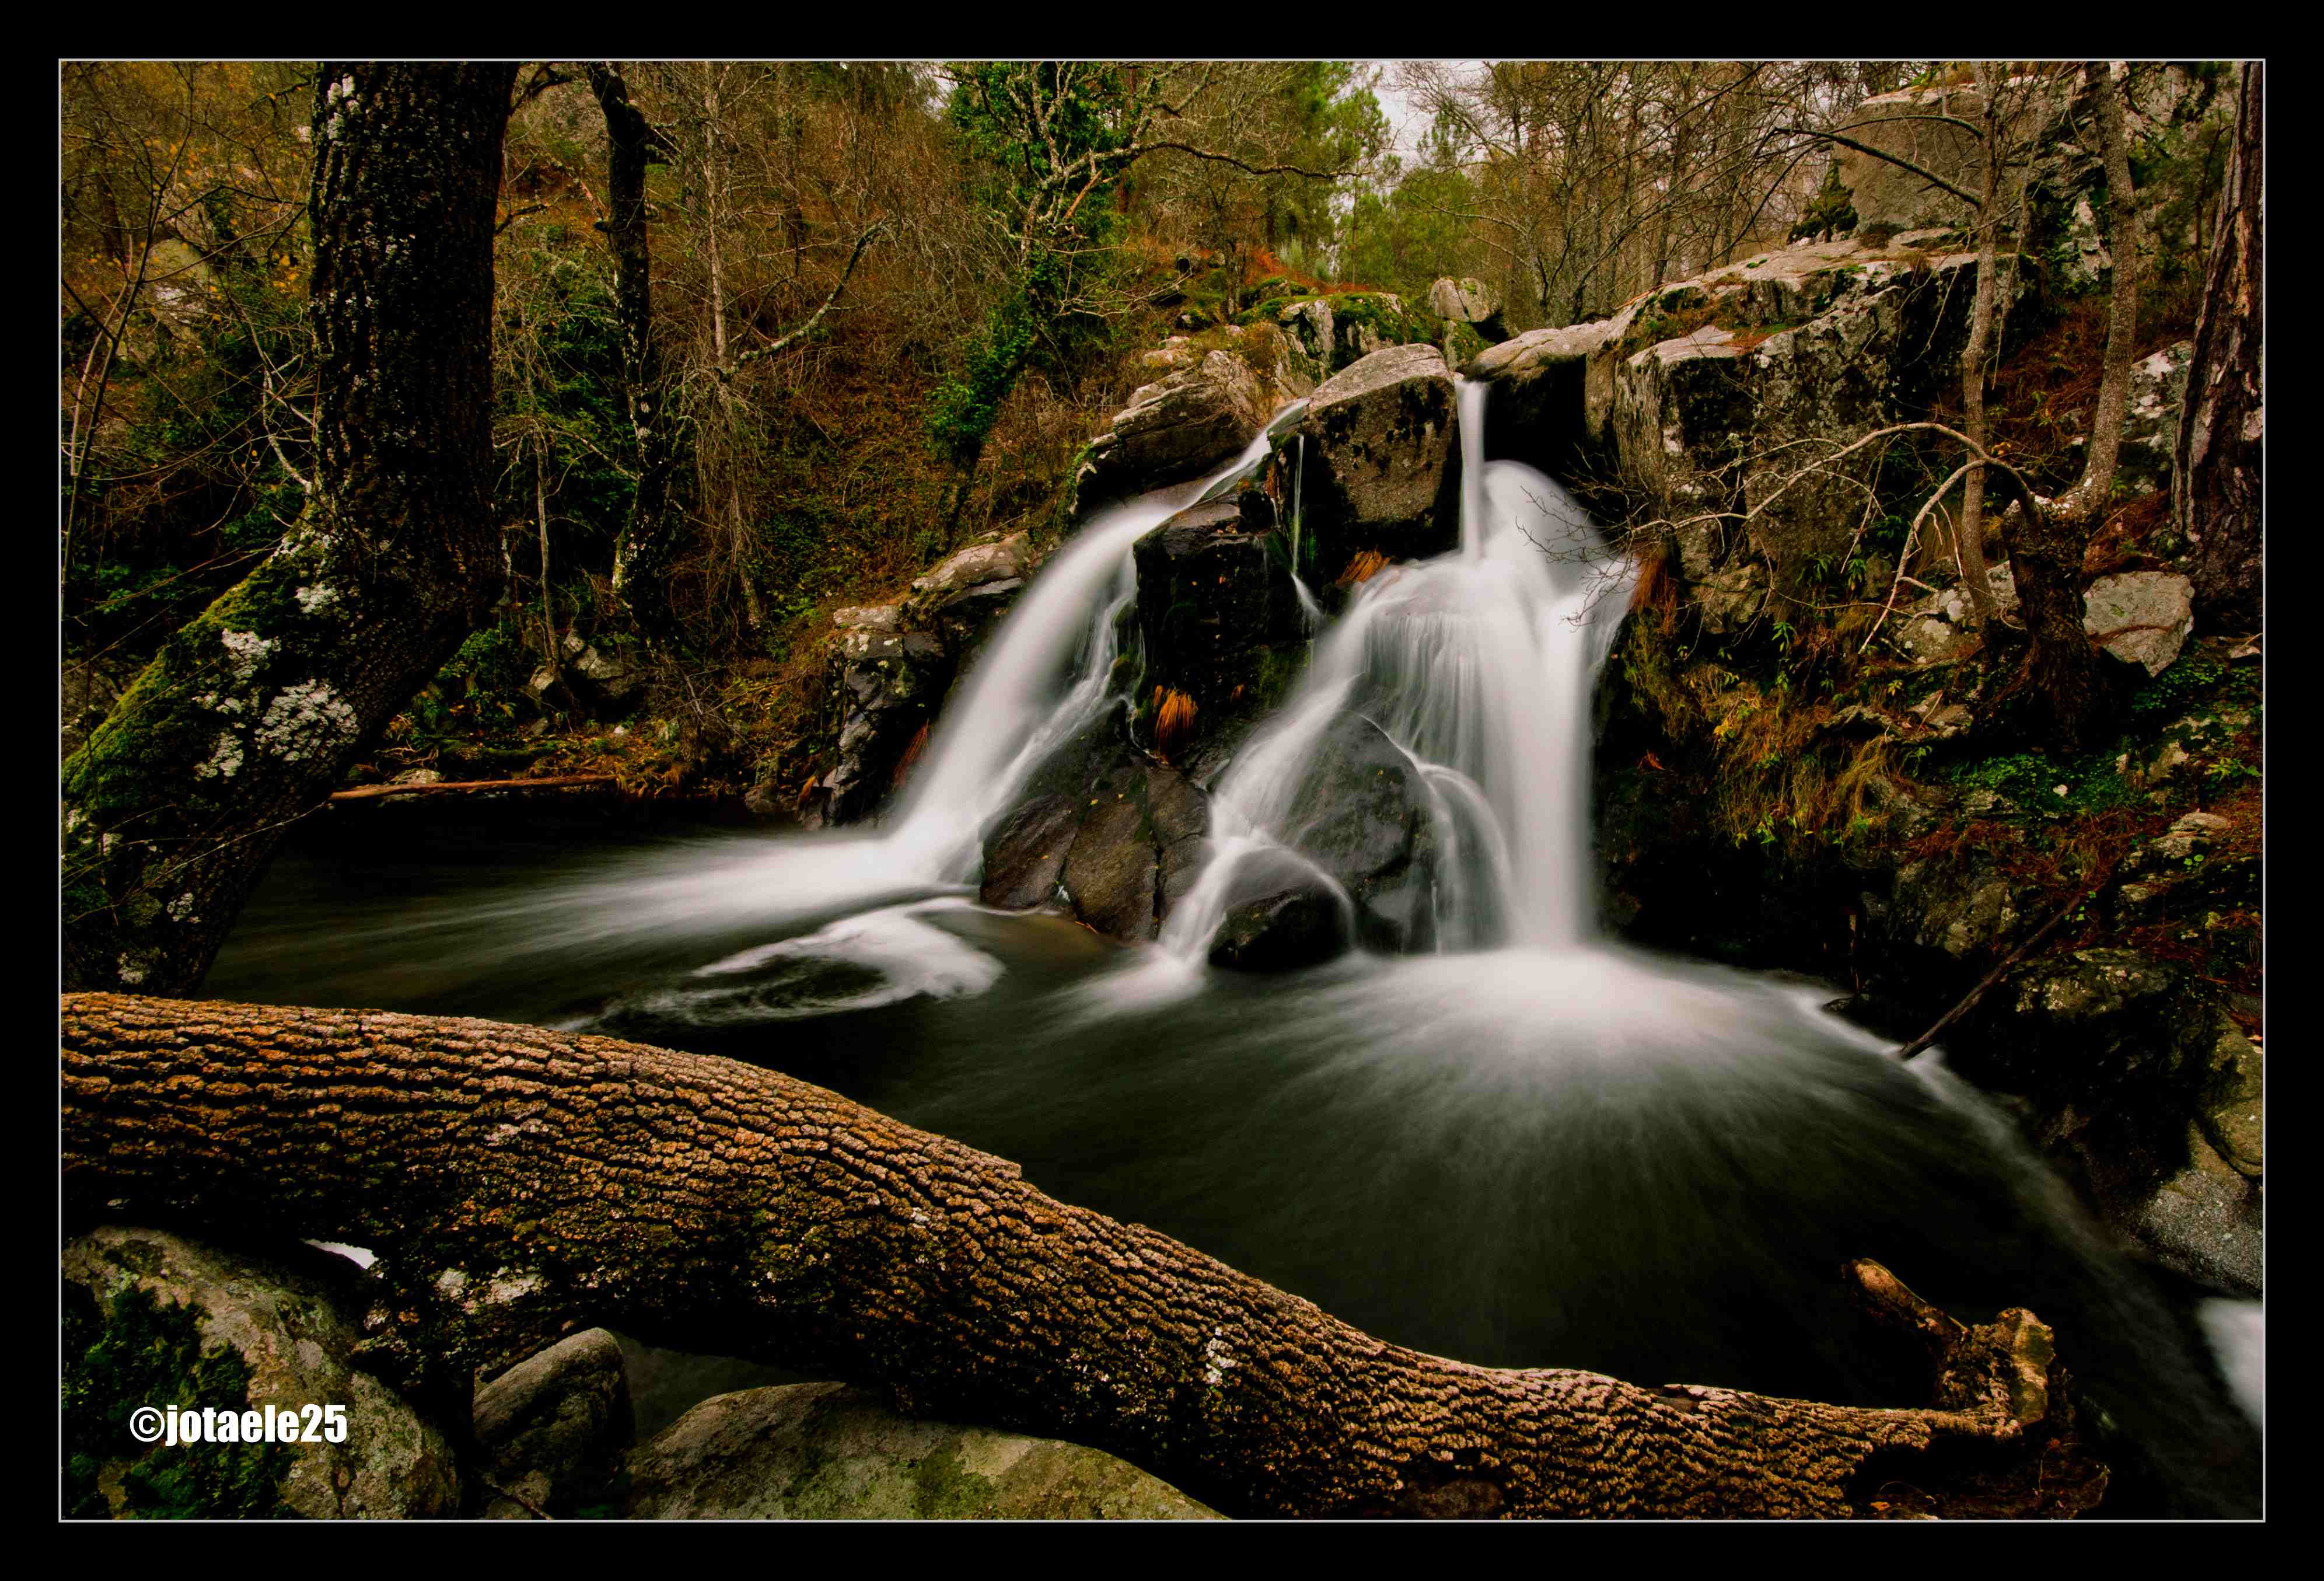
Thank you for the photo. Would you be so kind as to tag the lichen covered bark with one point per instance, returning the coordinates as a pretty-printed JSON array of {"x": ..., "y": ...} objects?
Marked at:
[
  {"x": 250, "y": 715},
  {"x": 568, "y": 1179}
]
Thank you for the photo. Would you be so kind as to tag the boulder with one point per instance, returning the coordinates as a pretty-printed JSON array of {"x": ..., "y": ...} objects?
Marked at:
[
  {"x": 884, "y": 688},
  {"x": 1381, "y": 470},
  {"x": 554, "y": 1427},
  {"x": 155, "y": 1317},
  {"x": 1213, "y": 582},
  {"x": 1179, "y": 428},
  {"x": 1467, "y": 301},
  {"x": 606, "y": 682},
  {"x": 1363, "y": 818},
  {"x": 1553, "y": 400},
  {"x": 2141, "y": 617},
  {"x": 1281, "y": 916},
  {"x": 829, "y": 1451},
  {"x": 1004, "y": 560},
  {"x": 1136, "y": 850}
]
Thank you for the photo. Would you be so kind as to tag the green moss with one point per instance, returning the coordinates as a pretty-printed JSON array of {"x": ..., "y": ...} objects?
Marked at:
[{"x": 131, "y": 1352}]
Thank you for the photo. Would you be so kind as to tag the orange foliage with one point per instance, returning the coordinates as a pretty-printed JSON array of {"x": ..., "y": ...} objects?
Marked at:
[
  {"x": 1174, "y": 722},
  {"x": 1368, "y": 563},
  {"x": 911, "y": 755}
]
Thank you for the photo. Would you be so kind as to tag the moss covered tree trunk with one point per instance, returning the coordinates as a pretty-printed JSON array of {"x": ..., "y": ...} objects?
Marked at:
[
  {"x": 251, "y": 714},
  {"x": 2215, "y": 489},
  {"x": 524, "y": 1181}
]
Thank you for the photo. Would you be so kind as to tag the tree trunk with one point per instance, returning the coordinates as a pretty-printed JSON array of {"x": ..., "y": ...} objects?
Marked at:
[
  {"x": 2061, "y": 672},
  {"x": 2216, "y": 486},
  {"x": 249, "y": 715},
  {"x": 1968, "y": 537},
  {"x": 536, "y": 1180},
  {"x": 642, "y": 550}
]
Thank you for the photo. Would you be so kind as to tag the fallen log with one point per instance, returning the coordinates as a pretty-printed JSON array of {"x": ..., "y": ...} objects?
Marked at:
[
  {"x": 472, "y": 787},
  {"x": 530, "y": 1180}
]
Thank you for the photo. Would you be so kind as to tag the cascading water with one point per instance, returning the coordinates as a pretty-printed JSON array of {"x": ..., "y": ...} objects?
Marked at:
[
  {"x": 1534, "y": 1147},
  {"x": 1478, "y": 665}
]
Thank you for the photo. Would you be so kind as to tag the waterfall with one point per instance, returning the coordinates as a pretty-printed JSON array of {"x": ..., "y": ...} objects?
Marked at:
[{"x": 1478, "y": 665}]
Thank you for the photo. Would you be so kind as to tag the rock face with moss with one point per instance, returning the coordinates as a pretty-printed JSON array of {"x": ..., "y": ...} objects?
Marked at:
[
  {"x": 153, "y": 1318},
  {"x": 1381, "y": 472},
  {"x": 1717, "y": 383},
  {"x": 829, "y": 1452}
]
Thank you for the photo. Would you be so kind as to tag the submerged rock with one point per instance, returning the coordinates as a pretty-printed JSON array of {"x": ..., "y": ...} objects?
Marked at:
[
  {"x": 827, "y": 1451},
  {"x": 291, "y": 1323}
]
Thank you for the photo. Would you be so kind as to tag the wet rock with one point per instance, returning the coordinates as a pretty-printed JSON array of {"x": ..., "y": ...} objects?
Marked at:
[
  {"x": 292, "y": 1318},
  {"x": 884, "y": 688},
  {"x": 1382, "y": 473},
  {"x": 827, "y": 1451},
  {"x": 1213, "y": 582},
  {"x": 1176, "y": 429},
  {"x": 1025, "y": 857},
  {"x": 964, "y": 619},
  {"x": 1112, "y": 869},
  {"x": 1103, "y": 835},
  {"x": 2205, "y": 1221},
  {"x": 2141, "y": 617},
  {"x": 1281, "y": 916},
  {"x": 555, "y": 1427},
  {"x": 1363, "y": 818}
]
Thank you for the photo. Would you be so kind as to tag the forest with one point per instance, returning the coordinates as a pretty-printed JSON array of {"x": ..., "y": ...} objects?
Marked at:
[{"x": 1571, "y": 752}]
